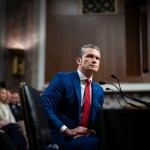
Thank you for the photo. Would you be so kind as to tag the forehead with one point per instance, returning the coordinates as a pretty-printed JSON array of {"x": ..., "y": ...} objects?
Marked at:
[
  {"x": 91, "y": 51},
  {"x": 3, "y": 91}
]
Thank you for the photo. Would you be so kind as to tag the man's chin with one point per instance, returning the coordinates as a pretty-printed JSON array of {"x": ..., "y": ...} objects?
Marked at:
[{"x": 93, "y": 70}]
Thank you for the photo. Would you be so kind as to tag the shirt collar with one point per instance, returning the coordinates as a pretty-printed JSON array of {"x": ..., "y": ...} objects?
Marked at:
[{"x": 82, "y": 76}]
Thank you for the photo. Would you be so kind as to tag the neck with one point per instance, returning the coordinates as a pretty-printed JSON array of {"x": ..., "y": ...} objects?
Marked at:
[
  {"x": 89, "y": 75},
  {"x": 86, "y": 74}
]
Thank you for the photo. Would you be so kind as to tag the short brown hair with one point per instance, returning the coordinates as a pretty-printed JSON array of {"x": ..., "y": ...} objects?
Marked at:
[{"x": 81, "y": 51}]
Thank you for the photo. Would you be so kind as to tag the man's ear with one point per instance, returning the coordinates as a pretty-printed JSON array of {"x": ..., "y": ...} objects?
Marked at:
[{"x": 78, "y": 60}]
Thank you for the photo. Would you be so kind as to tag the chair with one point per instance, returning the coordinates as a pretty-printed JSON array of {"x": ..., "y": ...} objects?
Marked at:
[{"x": 36, "y": 124}]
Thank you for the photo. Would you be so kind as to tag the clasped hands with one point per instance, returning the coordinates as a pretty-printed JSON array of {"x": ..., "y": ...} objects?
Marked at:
[{"x": 79, "y": 132}]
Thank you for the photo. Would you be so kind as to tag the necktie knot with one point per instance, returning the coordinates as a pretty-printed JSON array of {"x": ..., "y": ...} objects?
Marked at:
[{"x": 88, "y": 81}]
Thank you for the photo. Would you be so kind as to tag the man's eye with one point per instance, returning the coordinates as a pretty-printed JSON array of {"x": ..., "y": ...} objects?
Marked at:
[{"x": 90, "y": 56}]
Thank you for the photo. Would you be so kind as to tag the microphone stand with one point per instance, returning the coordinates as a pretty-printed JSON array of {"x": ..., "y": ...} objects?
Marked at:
[
  {"x": 122, "y": 94},
  {"x": 115, "y": 96},
  {"x": 135, "y": 99}
]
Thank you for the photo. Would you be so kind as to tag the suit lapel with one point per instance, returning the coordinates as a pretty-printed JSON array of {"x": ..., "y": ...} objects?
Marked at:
[
  {"x": 94, "y": 103},
  {"x": 77, "y": 86},
  {"x": 76, "y": 83}
]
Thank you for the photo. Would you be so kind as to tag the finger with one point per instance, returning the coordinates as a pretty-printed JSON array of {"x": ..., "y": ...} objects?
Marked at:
[
  {"x": 77, "y": 136},
  {"x": 82, "y": 129}
]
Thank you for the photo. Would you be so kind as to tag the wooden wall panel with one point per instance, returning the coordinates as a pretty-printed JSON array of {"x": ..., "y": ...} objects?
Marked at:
[
  {"x": 133, "y": 39},
  {"x": 68, "y": 31},
  {"x": 148, "y": 32}
]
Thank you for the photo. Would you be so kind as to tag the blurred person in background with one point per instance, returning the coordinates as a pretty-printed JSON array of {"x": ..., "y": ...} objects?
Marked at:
[
  {"x": 5, "y": 112},
  {"x": 13, "y": 100},
  {"x": 8, "y": 125}
]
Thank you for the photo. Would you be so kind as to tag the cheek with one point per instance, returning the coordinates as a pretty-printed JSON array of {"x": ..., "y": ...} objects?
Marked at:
[
  {"x": 98, "y": 62},
  {"x": 87, "y": 62},
  {"x": 4, "y": 96}
]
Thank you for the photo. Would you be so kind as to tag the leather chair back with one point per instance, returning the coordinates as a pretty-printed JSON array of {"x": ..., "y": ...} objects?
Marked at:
[{"x": 36, "y": 124}]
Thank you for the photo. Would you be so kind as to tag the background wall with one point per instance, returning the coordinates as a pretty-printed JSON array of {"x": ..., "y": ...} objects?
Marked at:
[
  {"x": 67, "y": 30},
  {"x": 23, "y": 30},
  {"x": 117, "y": 35}
]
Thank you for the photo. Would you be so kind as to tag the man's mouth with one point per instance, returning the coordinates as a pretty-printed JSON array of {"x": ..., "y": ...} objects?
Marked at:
[{"x": 93, "y": 66}]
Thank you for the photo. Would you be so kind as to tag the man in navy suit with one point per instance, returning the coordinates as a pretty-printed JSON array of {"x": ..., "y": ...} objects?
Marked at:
[{"x": 64, "y": 98}]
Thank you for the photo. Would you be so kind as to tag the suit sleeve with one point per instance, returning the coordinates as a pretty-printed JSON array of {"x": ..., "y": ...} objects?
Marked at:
[{"x": 51, "y": 98}]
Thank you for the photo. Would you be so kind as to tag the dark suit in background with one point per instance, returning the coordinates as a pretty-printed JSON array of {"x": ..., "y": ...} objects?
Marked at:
[
  {"x": 15, "y": 135},
  {"x": 16, "y": 111}
]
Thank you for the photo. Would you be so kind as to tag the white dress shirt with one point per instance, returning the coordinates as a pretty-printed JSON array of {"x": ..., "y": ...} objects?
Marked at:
[{"x": 83, "y": 84}]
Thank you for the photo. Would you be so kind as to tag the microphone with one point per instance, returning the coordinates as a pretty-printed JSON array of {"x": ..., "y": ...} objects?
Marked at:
[
  {"x": 115, "y": 96},
  {"x": 106, "y": 82},
  {"x": 122, "y": 94},
  {"x": 135, "y": 99}
]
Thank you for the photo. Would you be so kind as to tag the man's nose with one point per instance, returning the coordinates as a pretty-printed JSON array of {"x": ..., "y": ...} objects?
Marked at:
[{"x": 94, "y": 59}]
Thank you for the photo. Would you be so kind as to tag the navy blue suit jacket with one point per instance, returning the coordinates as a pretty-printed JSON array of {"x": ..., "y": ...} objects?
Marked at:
[{"x": 62, "y": 102}]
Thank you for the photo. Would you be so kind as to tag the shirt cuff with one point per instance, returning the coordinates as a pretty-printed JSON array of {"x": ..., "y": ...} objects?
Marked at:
[{"x": 63, "y": 128}]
